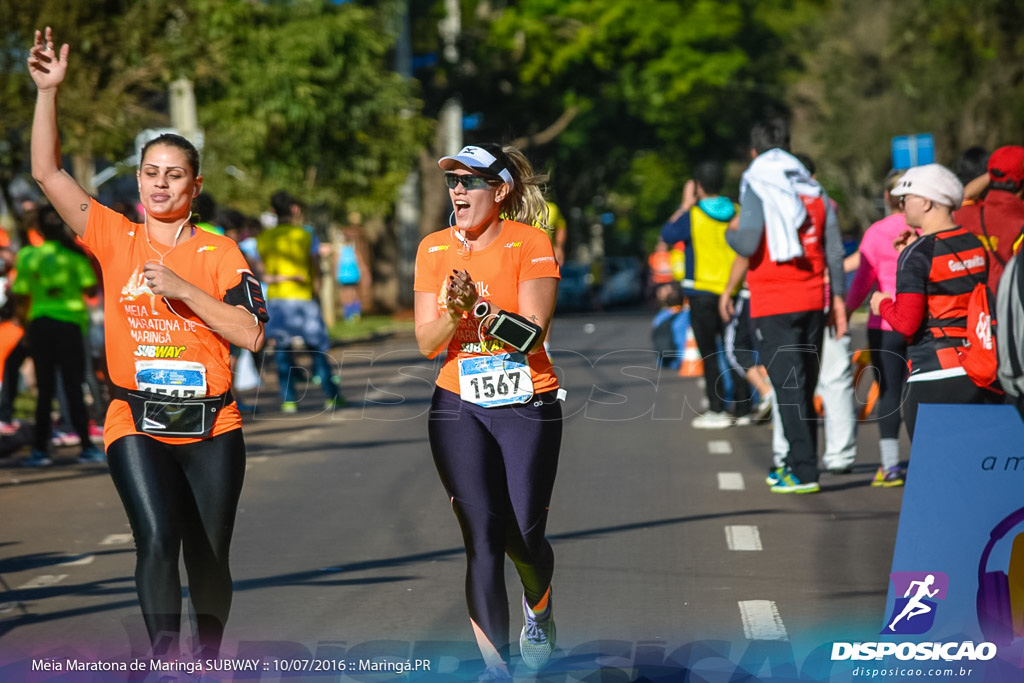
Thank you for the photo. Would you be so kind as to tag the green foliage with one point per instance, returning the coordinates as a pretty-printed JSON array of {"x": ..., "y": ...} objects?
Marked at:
[
  {"x": 117, "y": 63},
  {"x": 296, "y": 94},
  {"x": 883, "y": 68},
  {"x": 659, "y": 84},
  {"x": 307, "y": 100},
  {"x": 303, "y": 94}
]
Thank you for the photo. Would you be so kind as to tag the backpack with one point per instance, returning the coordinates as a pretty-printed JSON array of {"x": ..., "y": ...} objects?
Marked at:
[
  {"x": 979, "y": 356},
  {"x": 1010, "y": 332}
]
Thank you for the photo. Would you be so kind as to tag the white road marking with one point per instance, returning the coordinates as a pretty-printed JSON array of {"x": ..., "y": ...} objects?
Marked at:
[
  {"x": 719, "y": 447},
  {"x": 743, "y": 538},
  {"x": 116, "y": 539},
  {"x": 77, "y": 560},
  {"x": 731, "y": 481},
  {"x": 44, "y": 580},
  {"x": 761, "y": 620}
]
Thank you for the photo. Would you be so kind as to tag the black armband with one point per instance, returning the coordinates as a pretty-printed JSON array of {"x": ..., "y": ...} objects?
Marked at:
[{"x": 249, "y": 295}]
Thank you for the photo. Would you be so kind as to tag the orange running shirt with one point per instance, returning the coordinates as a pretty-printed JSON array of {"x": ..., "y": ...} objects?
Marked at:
[
  {"x": 521, "y": 252},
  {"x": 141, "y": 328}
]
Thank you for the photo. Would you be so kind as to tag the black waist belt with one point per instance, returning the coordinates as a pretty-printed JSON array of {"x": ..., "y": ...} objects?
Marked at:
[{"x": 162, "y": 415}]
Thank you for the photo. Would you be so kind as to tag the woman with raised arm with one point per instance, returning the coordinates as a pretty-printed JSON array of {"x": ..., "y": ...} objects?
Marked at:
[
  {"x": 495, "y": 422},
  {"x": 175, "y": 298}
]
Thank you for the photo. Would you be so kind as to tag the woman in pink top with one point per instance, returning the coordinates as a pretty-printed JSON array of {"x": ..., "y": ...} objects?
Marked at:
[{"x": 877, "y": 271}]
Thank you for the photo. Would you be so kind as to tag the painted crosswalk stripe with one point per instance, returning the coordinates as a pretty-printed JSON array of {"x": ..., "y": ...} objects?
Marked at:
[
  {"x": 77, "y": 560},
  {"x": 743, "y": 538},
  {"x": 761, "y": 620},
  {"x": 730, "y": 481},
  {"x": 116, "y": 539},
  {"x": 44, "y": 580},
  {"x": 719, "y": 447}
]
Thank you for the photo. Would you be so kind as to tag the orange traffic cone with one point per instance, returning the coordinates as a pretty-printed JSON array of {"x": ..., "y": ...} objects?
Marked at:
[{"x": 693, "y": 364}]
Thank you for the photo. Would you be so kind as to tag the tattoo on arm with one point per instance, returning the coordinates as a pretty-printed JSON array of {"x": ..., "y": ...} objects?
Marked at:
[
  {"x": 84, "y": 207},
  {"x": 534, "y": 318}
]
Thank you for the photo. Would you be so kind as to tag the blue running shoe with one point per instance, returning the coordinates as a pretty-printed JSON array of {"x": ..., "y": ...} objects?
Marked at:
[
  {"x": 790, "y": 483},
  {"x": 537, "y": 639},
  {"x": 774, "y": 476},
  {"x": 37, "y": 459},
  {"x": 91, "y": 454}
]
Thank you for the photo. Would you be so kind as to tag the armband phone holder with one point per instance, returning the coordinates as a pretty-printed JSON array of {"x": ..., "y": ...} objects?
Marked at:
[{"x": 515, "y": 330}]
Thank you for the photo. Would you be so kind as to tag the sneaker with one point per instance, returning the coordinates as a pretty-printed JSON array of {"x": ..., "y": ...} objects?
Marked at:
[
  {"x": 789, "y": 483},
  {"x": 91, "y": 454},
  {"x": 9, "y": 428},
  {"x": 495, "y": 674},
  {"x": 774, "y": 476},
  {"x": 60, "y": 438},
  {"x": 336, "y": 402},
  {"x": 95, "y": 432},
  {"x": 289, "y": 407},
  {"x": 712, "y": 420},
  {"x": 744, "y": 421},
  {"x": 537, "y": 639},
  {"x": 37, "y": 459},
  {"x": 888, "y": 477}
]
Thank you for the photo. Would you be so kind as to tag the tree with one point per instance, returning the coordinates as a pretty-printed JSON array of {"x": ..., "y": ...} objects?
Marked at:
[
  {"x": 645, "y": 90},
  {"x": 118, "y": 53},
  {"x": 883, "y": 68},
  {"x": 307, "y": 99}
]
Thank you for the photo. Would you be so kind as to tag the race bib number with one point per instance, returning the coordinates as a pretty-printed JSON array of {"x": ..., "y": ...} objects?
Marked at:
[
  {"x": 491, "y": 381},
  {"x": 177, "y": 378}
]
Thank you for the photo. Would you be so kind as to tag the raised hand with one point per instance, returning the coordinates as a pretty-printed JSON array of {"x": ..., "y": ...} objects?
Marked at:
[{"x": 47, "y": 67}]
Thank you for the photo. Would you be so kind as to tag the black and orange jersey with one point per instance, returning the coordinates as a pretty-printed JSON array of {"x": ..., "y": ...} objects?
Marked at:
[{"x": 944, "y": 267}]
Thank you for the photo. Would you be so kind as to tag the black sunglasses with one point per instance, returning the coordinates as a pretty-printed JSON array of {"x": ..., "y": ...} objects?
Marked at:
[{"x": 469, "y": 181}]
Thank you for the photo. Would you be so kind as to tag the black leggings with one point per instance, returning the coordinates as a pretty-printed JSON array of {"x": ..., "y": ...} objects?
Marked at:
[
  {"x": 498, "y": 466},
  {"x": 708, "y": 329},
  {"x": 889, "y": 358},
  {"x": 57, "y": 345},
  {"x": 181, "y": 497}
]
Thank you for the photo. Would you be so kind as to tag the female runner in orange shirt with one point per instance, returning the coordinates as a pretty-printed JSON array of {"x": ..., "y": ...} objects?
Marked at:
[
  {"x": 175, "y": 298},
  {"x": 495, "y": 422}
]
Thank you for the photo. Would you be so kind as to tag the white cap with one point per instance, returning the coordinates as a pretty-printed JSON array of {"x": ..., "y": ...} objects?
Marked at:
[
  {"x": 477, "y": 159},
  {"x": 931, "y": 181}
]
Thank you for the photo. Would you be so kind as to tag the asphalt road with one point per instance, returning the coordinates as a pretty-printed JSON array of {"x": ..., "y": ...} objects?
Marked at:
[{"x": 671, "y": 552}]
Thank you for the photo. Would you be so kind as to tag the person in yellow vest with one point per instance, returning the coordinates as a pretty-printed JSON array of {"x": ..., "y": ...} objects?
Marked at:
[
  {"x": 292, "y": 277},
  {"x": 700, "y": 222}
]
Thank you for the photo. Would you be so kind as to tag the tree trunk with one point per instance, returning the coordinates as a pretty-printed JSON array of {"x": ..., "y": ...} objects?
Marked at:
[{"x": 84, "y": 170}]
